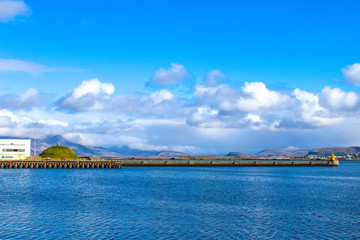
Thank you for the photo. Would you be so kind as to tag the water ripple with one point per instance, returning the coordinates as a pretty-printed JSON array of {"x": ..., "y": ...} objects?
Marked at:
[{"x": 181, "y": 203}]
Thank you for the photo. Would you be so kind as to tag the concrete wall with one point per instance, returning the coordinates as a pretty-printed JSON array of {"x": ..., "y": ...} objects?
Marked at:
[{"x": 220, "y": 163}]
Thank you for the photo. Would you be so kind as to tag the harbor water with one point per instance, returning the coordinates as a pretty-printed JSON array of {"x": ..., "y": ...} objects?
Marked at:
[{"x": 181, "y": 203}]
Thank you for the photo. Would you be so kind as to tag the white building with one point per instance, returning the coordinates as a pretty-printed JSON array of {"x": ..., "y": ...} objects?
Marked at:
[{"x": 14, "y": 149}]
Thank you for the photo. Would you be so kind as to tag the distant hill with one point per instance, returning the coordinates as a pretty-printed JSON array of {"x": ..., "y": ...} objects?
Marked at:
[
  {"x": 300, "y": 152},
  {"x": 275, "y": 152},
  {"x": 171, "y": 154},
  {"x": 127, "y": 151},
  {"x": 79, "y": 149},
  {"x": 240, "y": 154},
  {"x": 338, "y": 151},
  {"x": 288, "y": 152}
]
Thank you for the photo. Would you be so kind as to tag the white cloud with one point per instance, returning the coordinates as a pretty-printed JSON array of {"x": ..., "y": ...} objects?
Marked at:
[
  {"x": 93, "y": 95},
  {"x": 89, "y": 96},
  {"x": 256, "y": 107},
  {"x": 159, "y": 104},
  {"x": 206, "y": 117},
  {"x": 30, "y": 99},
  {"x": 52, "y": 122},
  {"x": 257, "y": 97},
  {"x": 339, "y": 100},
  {"x": 11, "y": 9},
  {"x": 93, "y": 87},
  {"x": 258, "y": 122},
  {"x": 214, "y": 78},
  {"x": 206, "y": 91},
  {"x": 214, "y": 93},
  {"x": 352, "y": 73},
  {"x": 21, "y": 124},
  {"x": 162, "y": 95},
  {"x": 12, "y": 65},
  {"x": 252, "y": 97},
  {"x": 15, "y": 119},
  {"x": 5, "y": 122},
  {"x": 311, "y": 111},
  {"x": 213, "y": 119},
  {"x": 254, "y": 118},
  {"x": 173, "y": 75},
  {"x": 213, "y": 84}
]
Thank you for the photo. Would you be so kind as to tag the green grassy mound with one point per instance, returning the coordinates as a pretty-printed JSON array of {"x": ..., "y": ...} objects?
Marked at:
[{"x": 58, "y": 152}]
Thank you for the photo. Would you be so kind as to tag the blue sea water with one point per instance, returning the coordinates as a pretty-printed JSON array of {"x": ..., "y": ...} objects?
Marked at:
[{"x": 181, "y": 203}]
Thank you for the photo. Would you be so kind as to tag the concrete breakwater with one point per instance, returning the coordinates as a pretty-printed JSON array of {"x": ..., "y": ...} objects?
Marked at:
[
  {"x": 162, "y": 163},
  {"x": 60, "y": 164},
  {"x": 227, "y": 163}
]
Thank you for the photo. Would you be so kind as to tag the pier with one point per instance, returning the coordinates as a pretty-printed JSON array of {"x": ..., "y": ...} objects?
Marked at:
[
  {"x": 163, "y": 163},
  {"x": 60, "y": 164},
  {"x": 228, "y": 163}
]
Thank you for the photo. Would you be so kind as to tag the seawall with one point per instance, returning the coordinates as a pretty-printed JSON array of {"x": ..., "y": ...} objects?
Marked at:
[
  {"x": 162, "y": 163},
  {"x": 60, "y": 164},
  {"x": 227, "y": 163}
]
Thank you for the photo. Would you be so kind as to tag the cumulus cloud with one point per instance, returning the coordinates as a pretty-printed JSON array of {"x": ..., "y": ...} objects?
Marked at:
[
  {"x": 13, "y": 119},
  {"x": 256, "y": 107},
  {"x": 214, "y": 91},
  {"x": 21, "y": 124},
  {"x": 352, "y": 73},
  {"x": 162, "y": 95},
  {"x": 253, "y": 97},
  {"x": 95, "y": 96},
  {"x": 30, "y": 99},
  {"x": 93, "y": 87},
  {"x": 311, "y": 111},
  {"x": 259, "y": 98},
  {"x": 12, "y": 65},
  {"x": 215, "y": 104},
  {"x": 90, "y": 95},
  {"x": 175, "y": 74},
  {"x": 211, "y": 114},
  {"x": 206, "y": 117},
  {"x": 160, "y": 104},
  {"x": 339, "y": 100},
  {"x": 11, "y": 9}
]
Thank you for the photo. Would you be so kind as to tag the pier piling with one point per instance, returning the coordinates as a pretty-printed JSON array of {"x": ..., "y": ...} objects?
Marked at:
[{"x": 59, "y": 164}]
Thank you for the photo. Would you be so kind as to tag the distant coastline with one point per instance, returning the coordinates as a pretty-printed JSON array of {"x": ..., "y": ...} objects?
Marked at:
[{"x": 125, "y": 152}]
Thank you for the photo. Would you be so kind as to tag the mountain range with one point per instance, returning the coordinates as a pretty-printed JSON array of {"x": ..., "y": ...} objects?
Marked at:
[
  {"x": 126, "y": 151},
  {"x": 300, "y": 152},
  {"x": 85, "y": 150}
]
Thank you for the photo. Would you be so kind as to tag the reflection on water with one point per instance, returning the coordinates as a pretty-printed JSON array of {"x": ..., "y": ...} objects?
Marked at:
[{"x": 182, "y": 203}]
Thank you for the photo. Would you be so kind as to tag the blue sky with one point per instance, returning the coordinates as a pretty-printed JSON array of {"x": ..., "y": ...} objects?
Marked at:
[{"x": 195, "y": 76}]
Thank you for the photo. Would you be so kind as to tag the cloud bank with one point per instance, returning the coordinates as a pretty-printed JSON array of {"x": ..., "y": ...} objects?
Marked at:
[{"x": 216, "y": 117}]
